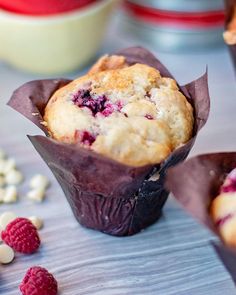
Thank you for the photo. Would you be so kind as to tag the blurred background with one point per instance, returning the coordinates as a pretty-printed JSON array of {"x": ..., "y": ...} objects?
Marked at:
[
  {"x": 62, "y": 38},
  {"x": 52, "y": 37}
]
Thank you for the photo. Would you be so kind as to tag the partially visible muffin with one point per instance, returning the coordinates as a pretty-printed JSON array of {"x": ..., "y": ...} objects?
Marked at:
[
  {"x": 230, "y": 33},
  {"x": 128, "y": 113},
  {"x": 223, "y": 210}
]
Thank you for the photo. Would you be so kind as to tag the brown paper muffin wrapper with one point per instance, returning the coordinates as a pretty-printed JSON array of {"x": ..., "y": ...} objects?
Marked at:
[
  {"x": 106, "y": 195},
  {"x": 229, "y": 4},
  {"x": 232, "y": 49},
  {"x": 195, "y": 184}
]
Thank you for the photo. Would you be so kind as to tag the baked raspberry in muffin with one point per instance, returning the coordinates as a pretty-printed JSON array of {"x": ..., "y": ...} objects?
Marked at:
[
  {"x": 223, "y": 209},
  {"x": 128, "y": 113}
]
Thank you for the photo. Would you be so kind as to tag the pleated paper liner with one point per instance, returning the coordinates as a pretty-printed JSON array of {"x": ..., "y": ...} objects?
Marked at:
[
  {"x": 195, "y": 183},
  {"x": 230, "y": 4},
  {"x": 106, "y": 195}
]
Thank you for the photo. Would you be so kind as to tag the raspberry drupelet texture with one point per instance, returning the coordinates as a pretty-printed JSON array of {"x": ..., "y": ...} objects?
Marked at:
[
  {"x": 38, "y": 281},
  {"x": 21, "y": 235}
]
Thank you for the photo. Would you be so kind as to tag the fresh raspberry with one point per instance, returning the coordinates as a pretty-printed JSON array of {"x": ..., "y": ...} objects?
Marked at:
[
  {"x": 21, "y": 235},
  {"x": 38, "y": 281}
]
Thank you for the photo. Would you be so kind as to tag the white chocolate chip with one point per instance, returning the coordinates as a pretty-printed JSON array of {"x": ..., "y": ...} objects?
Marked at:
[
  {"x": 2, "y": 154},
  {"x": 6, "y": 218},
  {"x": 14, "y": 177},
  {"x": 2, "y": 181},
  {"x": 37, "y": 222},
  {"x": 37, "y": 194},
  {"x": 2, "y": 194},
  {"x": 39, "y": 181},
  {"x": 154, "y": 177},
  {"x": 44, "y": 123},
  {"x": 6, "y": 254},
  {"x": 10, "y": 194},
  {"x": 9, "y": 165}
]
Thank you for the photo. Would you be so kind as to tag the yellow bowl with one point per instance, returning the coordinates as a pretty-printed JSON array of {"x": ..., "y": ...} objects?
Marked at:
[{"x": 53, "y": 44}]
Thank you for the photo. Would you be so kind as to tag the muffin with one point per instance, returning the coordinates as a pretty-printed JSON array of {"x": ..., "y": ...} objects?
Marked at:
[
  {"x": 205, "y": 186},
  {"x": 113, "y": 133},
  {"x": 223, "y": 209},
  {"x": 132, "y": 115}
]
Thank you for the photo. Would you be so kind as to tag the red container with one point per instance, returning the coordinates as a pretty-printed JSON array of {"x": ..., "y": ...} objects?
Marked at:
[
  {"x": 43, "y": 7},
  {"x": 173, "y": 25}
]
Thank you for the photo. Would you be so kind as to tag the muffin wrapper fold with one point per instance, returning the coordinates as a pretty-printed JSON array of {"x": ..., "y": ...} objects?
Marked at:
[
  {"x": 229, "y": 4},
  {"x": 106, "y": 195},
  {"x": 194, "y": 184}
]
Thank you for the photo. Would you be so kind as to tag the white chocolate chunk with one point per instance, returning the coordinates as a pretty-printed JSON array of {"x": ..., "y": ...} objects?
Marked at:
[
  {"x": 10, "y": 194},
  {"x": 2, "y": 154},
  {"x": 39, "y": 181},
  {"x": 2, "y": 181},
  {"x": 6, "y": 218},
  {"x": 9, "y": 165},
  {"x": 37, "y": 194},
  {"x": 14, "y": 177},
  {"x": 2, "y": 194},
  {"x": 37, "y": 222},
  {"x": 6, "y": 254}
]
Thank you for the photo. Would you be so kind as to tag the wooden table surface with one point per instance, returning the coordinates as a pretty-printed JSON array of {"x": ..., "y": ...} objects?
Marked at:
[{"x": 172, "y": 257}]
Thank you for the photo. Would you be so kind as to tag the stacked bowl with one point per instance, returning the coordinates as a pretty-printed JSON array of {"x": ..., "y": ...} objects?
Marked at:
[
  {"x": 51, "y": 36},
  {"x": 171, "y": 24}
]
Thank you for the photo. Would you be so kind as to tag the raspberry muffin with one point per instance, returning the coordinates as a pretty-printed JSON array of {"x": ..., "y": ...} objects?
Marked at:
[
  {"x": 205, "y": 186},
  {"x": 223, "y": 209},
  {"x": 128, "y": 113},
  {"x": 113, "y": 133}
]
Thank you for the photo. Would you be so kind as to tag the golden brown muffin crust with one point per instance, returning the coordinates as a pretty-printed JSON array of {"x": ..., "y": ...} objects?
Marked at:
[
  {"x": 107, "y": 62},
  {"x": 130, "y": 114}
]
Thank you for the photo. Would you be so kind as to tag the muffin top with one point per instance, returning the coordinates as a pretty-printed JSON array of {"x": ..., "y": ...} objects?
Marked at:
[{"x": 128, "y": 113}]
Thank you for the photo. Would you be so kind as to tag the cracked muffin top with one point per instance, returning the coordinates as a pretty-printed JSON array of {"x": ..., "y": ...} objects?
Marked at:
[{"x": 128, "y": 113}]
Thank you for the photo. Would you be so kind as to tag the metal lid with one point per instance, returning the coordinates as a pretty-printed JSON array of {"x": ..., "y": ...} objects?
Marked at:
[
  {"x": 182, "y": 5},
  {"x": 172, "y": 18},
  {"x": 170, "y": 39}
]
